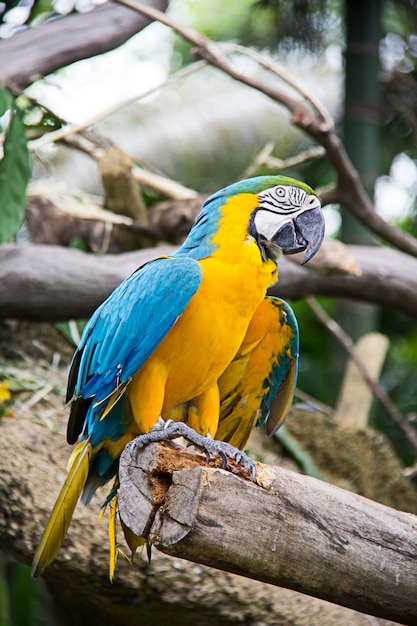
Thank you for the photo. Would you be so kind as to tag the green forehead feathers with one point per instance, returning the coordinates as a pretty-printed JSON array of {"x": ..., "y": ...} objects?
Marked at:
[{"x": 260, "y": 183}]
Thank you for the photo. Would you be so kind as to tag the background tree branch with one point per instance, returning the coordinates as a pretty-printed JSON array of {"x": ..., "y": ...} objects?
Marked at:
[
  {"x": 37, "y": 51},
  {"x": 75, "y": 283},
  {"x": 305, "y": 111},
  {"x": 349, "y": 184},
  {"x": 311, "y": 117}
]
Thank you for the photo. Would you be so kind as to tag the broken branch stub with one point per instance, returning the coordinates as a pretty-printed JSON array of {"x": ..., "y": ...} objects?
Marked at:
[{"x": 285, "y": 529}]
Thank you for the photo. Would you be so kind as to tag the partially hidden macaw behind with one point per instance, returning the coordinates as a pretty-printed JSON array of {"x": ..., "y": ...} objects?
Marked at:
[
  {"x": 190, "y": 337},
  {"x": 258, "y": 386}
]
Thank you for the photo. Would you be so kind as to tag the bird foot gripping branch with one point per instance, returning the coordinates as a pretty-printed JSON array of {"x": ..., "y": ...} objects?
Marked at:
[
  {"x": 172, "y": 430},
  {"x": 192, "y": 335}
]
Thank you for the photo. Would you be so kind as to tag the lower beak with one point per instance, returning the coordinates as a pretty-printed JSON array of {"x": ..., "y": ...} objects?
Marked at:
[{"x": 305, "y": 232}]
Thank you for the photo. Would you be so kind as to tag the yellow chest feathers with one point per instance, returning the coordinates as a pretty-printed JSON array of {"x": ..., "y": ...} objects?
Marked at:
[{"x": 237, "y": 258}]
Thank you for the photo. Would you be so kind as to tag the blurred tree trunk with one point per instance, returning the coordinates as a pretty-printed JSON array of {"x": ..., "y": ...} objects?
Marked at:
[
  {"x": 362, "y": 101},
  {"x": 361, "y": 137}
]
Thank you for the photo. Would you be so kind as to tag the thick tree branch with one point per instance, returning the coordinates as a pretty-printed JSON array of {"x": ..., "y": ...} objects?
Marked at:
[
  {"x": 381, "y": 280},
  {"x": 32, "y": 467},
  {"x": 350, "y": 186},
  {"x": 38, "y": 51},
  {"x": 61, "y": 283},
  {"x": 168, "y": 591},
  {"x": 354, "y": 552}
]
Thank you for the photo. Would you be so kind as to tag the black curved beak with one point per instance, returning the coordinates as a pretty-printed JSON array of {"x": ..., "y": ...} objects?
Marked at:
[{"x": 305, "y": 232}]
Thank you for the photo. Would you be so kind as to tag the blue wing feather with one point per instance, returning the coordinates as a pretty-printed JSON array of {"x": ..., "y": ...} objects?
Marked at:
[{"x": 130, "y": 324}]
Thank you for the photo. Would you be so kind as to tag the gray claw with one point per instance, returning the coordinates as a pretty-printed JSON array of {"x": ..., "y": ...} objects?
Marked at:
[
  {"x": 132, "y": 449},
  {"x": 224, "y": 458},
  {"x": 172, "y": 430}
]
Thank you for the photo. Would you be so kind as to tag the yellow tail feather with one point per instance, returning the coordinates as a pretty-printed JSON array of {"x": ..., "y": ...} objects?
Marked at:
[
  {"x": 60, "y": 518},
  {"x": 112, "y": 537},
  {"x": 132, "y": 541}
]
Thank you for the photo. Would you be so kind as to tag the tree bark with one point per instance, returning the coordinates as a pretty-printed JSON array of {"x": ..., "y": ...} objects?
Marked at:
[
  {"x": 289, "y": 530},
  {"x": 35, "y": 52},
  {"x": 50, "y": 283}
]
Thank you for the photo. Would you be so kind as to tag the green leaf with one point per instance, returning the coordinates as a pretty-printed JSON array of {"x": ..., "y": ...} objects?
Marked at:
[
  {"x": 25, "y": 597},
  {"x": 14, "y": 176},
  {"x": 5, "y": 101},
  {"x": 298, "y": 454},
  {"x": 71, "y": 330},
  {"x": 4, "y": 596}
]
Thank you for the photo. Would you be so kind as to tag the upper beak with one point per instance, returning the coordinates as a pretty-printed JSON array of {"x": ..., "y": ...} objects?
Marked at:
[{"x": 305, "y": 232}]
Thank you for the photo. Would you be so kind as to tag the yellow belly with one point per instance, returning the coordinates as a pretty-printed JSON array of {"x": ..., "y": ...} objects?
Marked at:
[{"x": 188, "y": 362}]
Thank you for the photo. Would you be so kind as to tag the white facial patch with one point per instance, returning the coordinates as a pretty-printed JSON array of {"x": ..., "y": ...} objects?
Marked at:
[
  {"x": 267, "y": 223},
  {"x": 277, "y": 206}
]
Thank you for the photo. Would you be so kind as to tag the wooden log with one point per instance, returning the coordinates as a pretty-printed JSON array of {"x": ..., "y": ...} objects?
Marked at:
[
  {"x": 168, "y": 591},
  {"x": 286, "y": 529},
  {"x": 61, "y": 283}
]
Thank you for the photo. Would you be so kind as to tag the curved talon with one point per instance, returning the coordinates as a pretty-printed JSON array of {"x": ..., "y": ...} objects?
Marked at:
[
  {"x": 206, "y": 452},
  {"x": 239, "y": 459},
  {"x": 224, "y": 458},
  {"x": 132, "y": 449}
]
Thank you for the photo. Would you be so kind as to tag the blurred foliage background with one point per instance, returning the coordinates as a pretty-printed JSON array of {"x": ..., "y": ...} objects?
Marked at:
[{"x": 207, "y": 130}]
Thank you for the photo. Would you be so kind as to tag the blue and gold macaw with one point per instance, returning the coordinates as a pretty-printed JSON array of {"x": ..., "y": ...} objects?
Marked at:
[{"x": 190, "y": 337}]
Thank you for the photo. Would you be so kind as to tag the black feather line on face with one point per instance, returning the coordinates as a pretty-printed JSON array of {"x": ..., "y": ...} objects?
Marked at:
[
  {"x": 282, "y": 199},
  {"x": 260, "y": 239}
]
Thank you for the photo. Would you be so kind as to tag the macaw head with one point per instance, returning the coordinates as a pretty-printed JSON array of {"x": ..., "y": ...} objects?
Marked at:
[
  {"x": 288, "y": 216},
  {"x": 281, "y": 214}
]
